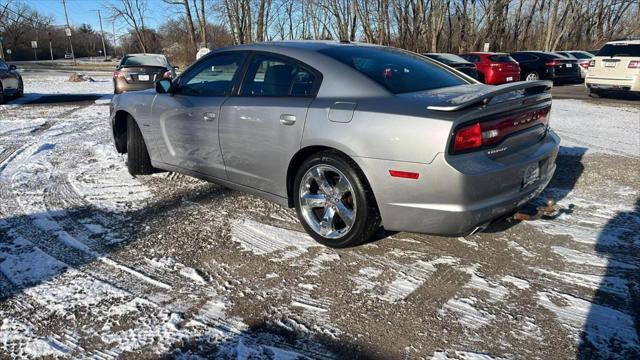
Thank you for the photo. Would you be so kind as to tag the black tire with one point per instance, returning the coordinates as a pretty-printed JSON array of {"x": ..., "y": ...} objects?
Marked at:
[
  {"x": 367, "y": 220},
  {"x": 596, "y": 93},
  {"x": 20, "y": 92},
  {"x": 138, "y": 161}
]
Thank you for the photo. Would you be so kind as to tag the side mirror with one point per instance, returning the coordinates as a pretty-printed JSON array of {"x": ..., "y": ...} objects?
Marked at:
[
  {"x": 164, "y": 86},
  {"x": 12, "y": 67},
  {"x": 176, "y": 67}
]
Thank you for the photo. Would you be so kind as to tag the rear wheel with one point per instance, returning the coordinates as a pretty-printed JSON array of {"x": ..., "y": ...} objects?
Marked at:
[
  {"x": 138, "y": 160},
  {"x": 532, "y": 76},
  {"x": 334, "y": 201}
]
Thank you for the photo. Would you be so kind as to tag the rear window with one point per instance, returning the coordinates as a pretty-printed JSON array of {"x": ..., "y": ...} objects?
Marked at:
[
  {"x": 144, "y": 60},
  {"x": 581, "y": 55},
  {"x": 396, "y": 70},
  {"x": 447, "y": 58},
  {"x": 501, "y": 58},
  {"x": 628, "y": 50}
]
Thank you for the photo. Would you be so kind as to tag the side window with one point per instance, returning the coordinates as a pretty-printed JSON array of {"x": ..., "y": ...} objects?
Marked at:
[
  {"x": 213, "y": 77},
  {"x": 518, "y": 57},
  {"x": 272, "y": 76},
  {"x": 470, "y": 58},
  {"x": 3, "y": 65}
]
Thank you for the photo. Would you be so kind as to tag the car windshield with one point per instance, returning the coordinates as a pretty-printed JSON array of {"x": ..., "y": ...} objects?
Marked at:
[
  {"x": 620, "y": 49},
  {"x": 501, "y": 58},
  {"x": 144, "y": 60},
  {"x": 396, "y": 70},
  {"x": 580, "y": 55},
  {"x": 448, "y": 58}
]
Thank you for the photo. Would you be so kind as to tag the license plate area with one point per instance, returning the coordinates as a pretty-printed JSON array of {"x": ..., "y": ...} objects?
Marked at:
[
  {"x": 530, "y": 175},
  {"x": 142, "y": 77},
  {"x": 509, "y": 78},
  {"x": 610, "y": 64}
]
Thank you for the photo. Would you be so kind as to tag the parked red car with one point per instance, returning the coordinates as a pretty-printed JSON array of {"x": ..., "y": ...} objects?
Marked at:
[{"x": 494, "y": 68}]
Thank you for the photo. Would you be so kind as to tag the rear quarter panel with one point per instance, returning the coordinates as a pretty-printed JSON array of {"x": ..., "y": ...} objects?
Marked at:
[{"x": 381, "y": 128}]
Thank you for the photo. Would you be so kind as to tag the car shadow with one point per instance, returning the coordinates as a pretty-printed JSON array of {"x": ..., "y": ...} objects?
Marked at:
[
  {"x": 43, "y": 99},
  {"x": 62, "y": 237},
  {"x": 569, "y": 169},
  {"x": 612, "y": 326},
  {"x": 268, "y": 341},
  {"x": 37, "y": 233}
]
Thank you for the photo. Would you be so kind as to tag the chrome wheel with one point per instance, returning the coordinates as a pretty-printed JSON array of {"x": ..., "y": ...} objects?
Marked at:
[
  {"x": 531, "y": 77},
  {"x": 327, "y": 201}
]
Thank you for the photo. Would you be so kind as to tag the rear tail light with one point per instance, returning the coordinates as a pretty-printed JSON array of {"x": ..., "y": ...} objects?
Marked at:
[
  {"x": 585, "y": 65},
  {"x": 494, "y": 65},
  {"x": 118, "y": 75},
  {"x": 468, "y": 138},
  {"x": 551, "y": 63},
  {"x": 634, "y": 64},
  {"x": 592, "y": 63},
  {"x": 487, "y": 133}
]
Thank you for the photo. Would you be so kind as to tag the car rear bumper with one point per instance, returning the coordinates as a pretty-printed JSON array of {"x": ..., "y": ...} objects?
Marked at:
[
  {"x": 120, "y": 85},
  {"x": 627, "y": 83},
  {"x": 453, "y": 197},
  {"x": 497, "y": 78}
]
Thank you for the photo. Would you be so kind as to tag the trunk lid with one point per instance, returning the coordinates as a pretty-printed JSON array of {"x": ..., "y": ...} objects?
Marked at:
[
  {"x": 508, "y": 117},
  {"x": 142, "y": 74}
]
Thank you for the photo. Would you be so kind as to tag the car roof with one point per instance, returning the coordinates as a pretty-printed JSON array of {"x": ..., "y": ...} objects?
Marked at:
[
  {"x": 147, "y": 54},
  {"x": 617, "y": 42},
  {"x": 308, "y": 45},
  {"x": 485, "y": 53}
]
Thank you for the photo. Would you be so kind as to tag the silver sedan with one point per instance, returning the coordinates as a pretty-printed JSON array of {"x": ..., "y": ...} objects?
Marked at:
[{"x": 356, "y": 137}]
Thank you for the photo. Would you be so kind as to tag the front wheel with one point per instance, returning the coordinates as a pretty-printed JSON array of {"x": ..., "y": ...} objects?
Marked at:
[
  {"x": 334, "y": 202},
  {"x": 138, "y": 160},
  {"x": 20, "y": 92}
]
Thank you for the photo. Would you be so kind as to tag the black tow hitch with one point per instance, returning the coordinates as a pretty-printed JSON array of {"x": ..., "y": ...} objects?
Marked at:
[{"x": 549, "y": 211}]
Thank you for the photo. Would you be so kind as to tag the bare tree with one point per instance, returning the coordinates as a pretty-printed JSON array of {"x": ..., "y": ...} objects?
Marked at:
[{"x": 133, "y": 13}]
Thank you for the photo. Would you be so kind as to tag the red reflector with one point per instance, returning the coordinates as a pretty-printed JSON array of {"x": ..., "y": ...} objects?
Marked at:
[
  {"x": 404, "y": 174},
  {"x": 468, "y": 137}
]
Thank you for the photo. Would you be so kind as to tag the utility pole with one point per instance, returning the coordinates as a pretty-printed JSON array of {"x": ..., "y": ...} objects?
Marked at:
[
  {"x": 104, "y": 48},
  {"x": 68, "y": 31}
]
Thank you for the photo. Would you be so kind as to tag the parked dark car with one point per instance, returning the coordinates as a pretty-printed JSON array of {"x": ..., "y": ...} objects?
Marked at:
[
  {"x": 535, "y": 65},
  {"x": 455, "y": 62},
  {"x": 583, "y": 59},
  {"x": 141, "y": 71},
  {"x": 494, "y": 68},
  {"x": 10, "y": 82}
]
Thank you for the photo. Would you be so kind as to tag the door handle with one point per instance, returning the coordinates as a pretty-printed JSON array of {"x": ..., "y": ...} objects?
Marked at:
[
  {"x": 287, "y": 119},
  {"x": 209, "y": 116}
]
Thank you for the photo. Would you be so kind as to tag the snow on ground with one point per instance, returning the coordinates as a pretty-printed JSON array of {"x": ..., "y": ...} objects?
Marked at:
[
  {"x": 598, "y": 128},
  {"x": 95, "y": 263}
]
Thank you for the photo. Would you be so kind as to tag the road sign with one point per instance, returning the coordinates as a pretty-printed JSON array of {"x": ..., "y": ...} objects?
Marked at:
[
  {"x": 34, "y": 44},
  {"x": 67, "y": 31}
]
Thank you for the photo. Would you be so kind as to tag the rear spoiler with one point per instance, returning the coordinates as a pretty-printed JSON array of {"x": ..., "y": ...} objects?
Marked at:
[{"x": 522, "y": 88}]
